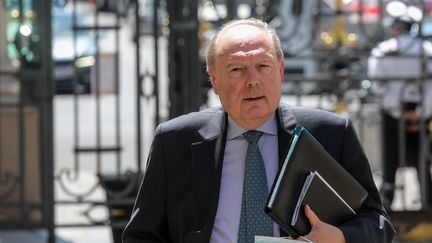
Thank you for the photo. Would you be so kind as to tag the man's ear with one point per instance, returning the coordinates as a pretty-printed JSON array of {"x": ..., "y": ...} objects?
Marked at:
[
  {"x": 282, "y": 69},
  {"x": 212, "y": 80}
]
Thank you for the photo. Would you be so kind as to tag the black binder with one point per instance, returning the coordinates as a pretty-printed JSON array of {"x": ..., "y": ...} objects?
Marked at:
[{"x": 304, "y": 156}]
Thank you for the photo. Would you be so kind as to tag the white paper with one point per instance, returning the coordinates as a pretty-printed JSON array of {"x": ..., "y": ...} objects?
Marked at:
[{"x": 269, "y": 239}]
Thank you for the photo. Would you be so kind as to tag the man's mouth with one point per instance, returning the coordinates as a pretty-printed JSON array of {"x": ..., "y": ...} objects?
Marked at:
[{"x": 254, "y": 98}]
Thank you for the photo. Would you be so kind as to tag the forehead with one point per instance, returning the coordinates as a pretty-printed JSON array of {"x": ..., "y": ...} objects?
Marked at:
[{"x": 244, "y": 39}]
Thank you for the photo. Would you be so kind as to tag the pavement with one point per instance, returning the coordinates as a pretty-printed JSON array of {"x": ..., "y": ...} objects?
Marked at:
[
  {"x": 30, "y": 236},
  {"x": 70, "y": 235}
]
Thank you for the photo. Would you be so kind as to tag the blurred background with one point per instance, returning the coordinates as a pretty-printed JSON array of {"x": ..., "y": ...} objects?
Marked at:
[{"x": 84, "y": 83}]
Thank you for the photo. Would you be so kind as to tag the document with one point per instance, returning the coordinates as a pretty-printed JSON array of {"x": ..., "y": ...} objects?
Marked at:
[
  {"x": 269, "y": 239},
  {"x": 307, "y": 155}
]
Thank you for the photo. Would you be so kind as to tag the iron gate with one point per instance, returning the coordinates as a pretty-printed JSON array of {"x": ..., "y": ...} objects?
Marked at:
[
  {"x": 72, "y": 94},
  {"x": 26, "y": 144},
  {"x": 111, "y": 109}
]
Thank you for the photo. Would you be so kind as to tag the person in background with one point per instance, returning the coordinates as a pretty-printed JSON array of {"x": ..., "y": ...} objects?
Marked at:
[
  {"x": 204, "y": 166},
  {"x": 405, "y": 95}
]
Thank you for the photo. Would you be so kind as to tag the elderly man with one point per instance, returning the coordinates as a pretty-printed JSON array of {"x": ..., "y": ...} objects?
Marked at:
[{"x": 204, "y": 166}]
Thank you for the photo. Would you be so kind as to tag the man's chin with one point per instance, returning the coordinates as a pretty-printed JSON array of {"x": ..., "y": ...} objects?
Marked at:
[{"x": 256, "y": 120}]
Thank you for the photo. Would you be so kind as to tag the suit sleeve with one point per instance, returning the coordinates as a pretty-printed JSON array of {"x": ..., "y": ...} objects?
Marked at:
[
  {"x": 372, "y": 223},
  {"x": 148, "y": 221}
]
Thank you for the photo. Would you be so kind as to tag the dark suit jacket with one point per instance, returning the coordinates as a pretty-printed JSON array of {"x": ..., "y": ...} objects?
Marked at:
[{"x": 178, "y": 198}]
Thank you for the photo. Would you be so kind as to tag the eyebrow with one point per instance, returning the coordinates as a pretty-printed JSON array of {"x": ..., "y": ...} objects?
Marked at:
[
  {"x": 237, "y": 63},
  {"x": 240, "y": 54}
]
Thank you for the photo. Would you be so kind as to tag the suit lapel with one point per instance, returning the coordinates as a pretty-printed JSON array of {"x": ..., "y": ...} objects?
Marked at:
[
  {"x": 207, "y": 158},
  {"x": 286, "y": 123}
]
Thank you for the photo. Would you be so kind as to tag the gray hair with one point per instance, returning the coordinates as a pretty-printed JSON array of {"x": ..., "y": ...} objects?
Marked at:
[{"x": 211, "y": 50}]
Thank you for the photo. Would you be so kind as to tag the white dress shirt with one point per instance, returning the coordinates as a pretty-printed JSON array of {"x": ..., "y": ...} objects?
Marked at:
[{"x": 227, "y": 221}]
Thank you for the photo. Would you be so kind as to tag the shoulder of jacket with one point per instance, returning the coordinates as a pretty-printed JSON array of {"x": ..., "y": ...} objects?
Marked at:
[{"x": 192, "y": 120}]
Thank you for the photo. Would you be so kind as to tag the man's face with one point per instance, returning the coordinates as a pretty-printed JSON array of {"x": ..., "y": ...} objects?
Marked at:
[
  {"x": 247, "y": 75},
  {"x": 394, "y": 31}
]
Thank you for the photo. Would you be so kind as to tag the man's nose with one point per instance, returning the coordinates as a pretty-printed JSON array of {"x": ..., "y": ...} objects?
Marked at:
[{"x": 253, "y": 78}]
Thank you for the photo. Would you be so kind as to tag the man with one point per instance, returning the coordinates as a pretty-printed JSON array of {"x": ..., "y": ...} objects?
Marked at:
[
  {"x": 196, "y": 178},
  {"x": 400, "y": 57}
]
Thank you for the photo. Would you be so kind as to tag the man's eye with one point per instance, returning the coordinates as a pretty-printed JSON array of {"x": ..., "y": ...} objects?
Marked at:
[
  {"x": 264, "y": 67},
  {"x": 236, "y": 69}
]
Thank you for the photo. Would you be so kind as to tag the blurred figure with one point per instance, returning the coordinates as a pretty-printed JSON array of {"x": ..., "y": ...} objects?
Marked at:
[{"x": 398, "y": 61}]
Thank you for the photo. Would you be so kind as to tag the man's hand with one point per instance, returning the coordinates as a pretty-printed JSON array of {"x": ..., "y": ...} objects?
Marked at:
[{"x": 322, "y": 232}]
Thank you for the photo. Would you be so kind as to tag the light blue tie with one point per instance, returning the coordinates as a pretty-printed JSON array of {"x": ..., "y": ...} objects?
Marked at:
[{"x": 253, "y": 220}]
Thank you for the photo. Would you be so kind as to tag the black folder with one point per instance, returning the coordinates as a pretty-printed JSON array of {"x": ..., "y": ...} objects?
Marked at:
[
  {"x": 321, "y": 197},
  {"x": 307, "y": 155}
]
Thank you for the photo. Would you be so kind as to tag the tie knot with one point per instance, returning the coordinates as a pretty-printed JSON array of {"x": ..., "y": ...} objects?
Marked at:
[{"x": 252, "y": 136}]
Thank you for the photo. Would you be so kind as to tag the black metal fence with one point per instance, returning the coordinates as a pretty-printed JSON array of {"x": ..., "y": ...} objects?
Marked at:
[
  {"x": 26, "y": 136},
  {"x": 99, "y": 165}
]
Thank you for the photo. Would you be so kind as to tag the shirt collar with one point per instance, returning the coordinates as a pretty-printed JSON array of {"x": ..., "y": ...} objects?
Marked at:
[{"x": 235, "y": 130}]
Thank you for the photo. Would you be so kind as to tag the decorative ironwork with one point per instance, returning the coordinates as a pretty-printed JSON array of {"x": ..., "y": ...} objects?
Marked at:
[
  {"x": 67, "y": 174},
  {"x": 8, "y": 184}
]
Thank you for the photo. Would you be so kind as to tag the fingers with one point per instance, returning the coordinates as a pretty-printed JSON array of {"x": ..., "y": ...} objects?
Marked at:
[
  {"x": 313, "y": 218},
  {"x": 321, "y": 231}
]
